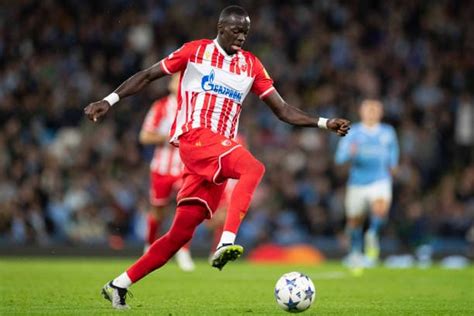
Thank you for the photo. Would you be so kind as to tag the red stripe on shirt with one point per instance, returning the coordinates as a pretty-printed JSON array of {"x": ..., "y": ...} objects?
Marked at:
[
  {"x": 215, "y": 54},
  {"x": 234, "y": 121},
  {"x": 191, "y": 106},
  {"x": 247, "y": 60},
  {"x": 178, "y": 108},
  {"x": 227, "y": 120},
  {"x": 237, "y": 66},
  {"x": 192, "y": 58},
  {"x": 221, "y": 117},
  {"x": 202, "y": 115},
  {"x": 220, "y": 61},
  {"x": 186, "y": 105},
  {"x": 210, "y": 110},
  {"x": 226, "y": 109},
  {"x": 200, "y": 54},
  {"x": 232, "y": 65}
]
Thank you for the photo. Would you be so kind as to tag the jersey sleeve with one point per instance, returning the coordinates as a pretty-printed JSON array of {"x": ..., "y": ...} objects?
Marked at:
[
  {"x": 263, "y": 83},
  {"x": 177, "y": 60},
  {"x": 343, "y": 151},
  {"x": 153, "y": 117}
]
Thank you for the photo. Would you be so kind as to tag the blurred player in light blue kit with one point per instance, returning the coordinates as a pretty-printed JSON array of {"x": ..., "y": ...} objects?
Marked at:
[{"x": 372, "y": 151}]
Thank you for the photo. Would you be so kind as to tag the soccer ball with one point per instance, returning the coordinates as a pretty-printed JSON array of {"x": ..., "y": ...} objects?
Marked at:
[{"x": 295, "y": 292}]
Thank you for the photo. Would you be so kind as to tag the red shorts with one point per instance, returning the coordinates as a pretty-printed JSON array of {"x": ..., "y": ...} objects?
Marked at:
[
  {"x": 201, "y": 152},
  {"x": 161, "y": 187}
]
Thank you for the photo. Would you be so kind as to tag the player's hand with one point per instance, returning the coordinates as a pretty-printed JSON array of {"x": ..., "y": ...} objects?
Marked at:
[
  {"x": 394, "y": 171},
  {"x": 339, "y": 126},
  {"x": 96, "y": 110}
]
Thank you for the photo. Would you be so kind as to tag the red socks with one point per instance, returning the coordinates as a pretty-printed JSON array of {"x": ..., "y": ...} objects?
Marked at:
[
  {"x": 240, "y": 164},
  {"x": 216, "y": 237},
  {"x": 186, "y": 219},
  {"x": 153, "y": 224},
  {"x": 187, "y": 246}
]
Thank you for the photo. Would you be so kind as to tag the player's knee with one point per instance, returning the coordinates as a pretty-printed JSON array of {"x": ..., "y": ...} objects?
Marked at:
[
  {"x": 157, "y": 212},
  {"x": 256, "y": 168},
  {"x": 380, "y": 208},
  {"x": 354, "y": 222}
]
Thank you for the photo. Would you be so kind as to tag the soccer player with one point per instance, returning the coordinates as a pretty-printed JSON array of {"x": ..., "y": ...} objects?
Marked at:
[
  {"x": 165, "y": 168},
  {"x": 372, "y": 151},
  {"x": 215, "y": 77}
]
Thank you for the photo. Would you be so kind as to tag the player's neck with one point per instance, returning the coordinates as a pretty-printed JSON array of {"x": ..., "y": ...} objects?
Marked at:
[
  {"x": 219, "y": 44},
  {"x": 372, "y": 126}
]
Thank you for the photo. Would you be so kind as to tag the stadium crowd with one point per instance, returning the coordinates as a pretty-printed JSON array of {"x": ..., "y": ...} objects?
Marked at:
[{"x": 64, "y": 179}]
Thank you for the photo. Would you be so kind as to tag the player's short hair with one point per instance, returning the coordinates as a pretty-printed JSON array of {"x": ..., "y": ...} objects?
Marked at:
[
  {"x": 232, "y": 10},
  {"x": 371, "y": 101}
]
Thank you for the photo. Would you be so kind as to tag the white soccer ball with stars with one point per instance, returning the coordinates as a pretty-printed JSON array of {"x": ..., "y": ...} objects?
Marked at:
[{"x": 295, "y": 292}]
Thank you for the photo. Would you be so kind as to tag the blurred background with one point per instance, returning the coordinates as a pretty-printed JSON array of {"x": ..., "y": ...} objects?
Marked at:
[{"x": 66, "y": 183}]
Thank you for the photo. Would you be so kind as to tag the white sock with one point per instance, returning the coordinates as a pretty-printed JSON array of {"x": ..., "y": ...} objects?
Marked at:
[
  {"x": 122, "y": 281},
  {"x": 226, "y": 238},
  {"x": 146, "y": 247}
]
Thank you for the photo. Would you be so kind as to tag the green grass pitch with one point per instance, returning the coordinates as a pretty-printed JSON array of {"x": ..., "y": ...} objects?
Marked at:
[{"x": 60, "y": 286}]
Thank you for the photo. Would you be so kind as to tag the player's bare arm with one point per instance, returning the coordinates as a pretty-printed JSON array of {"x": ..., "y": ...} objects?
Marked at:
[
  {"x": 292, "y": 115},
  {"x": 132, "y": 85},
  {"x": 149, "y": 138}
]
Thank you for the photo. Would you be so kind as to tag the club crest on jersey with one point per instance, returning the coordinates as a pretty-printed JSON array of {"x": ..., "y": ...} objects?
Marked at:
[
  {"x": 207, "y": 84},
  {"x": 226, "y": 142},
  {"x": 242, "y": 64}
]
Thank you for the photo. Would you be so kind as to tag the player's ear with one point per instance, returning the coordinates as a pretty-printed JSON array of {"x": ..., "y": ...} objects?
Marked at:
[{"x": 220, "y": 28}]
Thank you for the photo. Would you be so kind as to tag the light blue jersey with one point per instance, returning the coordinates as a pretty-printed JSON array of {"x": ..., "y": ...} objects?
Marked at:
[{"x": 371, "y": 152}]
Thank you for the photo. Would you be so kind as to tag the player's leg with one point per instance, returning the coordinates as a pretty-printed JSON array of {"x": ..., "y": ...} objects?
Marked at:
[
  {"x": 153, "y": 224},
  {"x": 183, "y": 256},
  {"x": 354, "y": 231},
  {"x": 378, "y": 216},
  {"x": 188, "y": 216},
  {"x": 242, "y": 165},
  {"x": 355, "y": 208},
  {"x": 160, "y": 191},
  {"x": 218, "y": 226},
  {"x": 216, "y": 223},
  {"x": 380, "y": 199},
  {"x": 184, "y": 259},
  {"x": 381, "y": 196}
]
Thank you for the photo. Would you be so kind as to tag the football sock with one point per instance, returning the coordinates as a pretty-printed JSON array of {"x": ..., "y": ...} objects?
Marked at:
[
  {"x": 376, "y": 224},
  {"x": 187, "y": 246},
  {"x": 152, "y": 228},
  {"x": 216, "y": 237},
  {"x": 123, "y": 281},
  {"x": 187, "y": 218},
  {"x": 355, "y": 235},
  {"x": 226, "y": 238},
  {"x": 240, "y": 164}
]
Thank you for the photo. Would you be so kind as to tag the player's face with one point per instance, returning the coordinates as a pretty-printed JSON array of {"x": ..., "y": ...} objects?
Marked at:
[
  {"x": 371, "y": 111},
  {"x": 233, "y": 32}
]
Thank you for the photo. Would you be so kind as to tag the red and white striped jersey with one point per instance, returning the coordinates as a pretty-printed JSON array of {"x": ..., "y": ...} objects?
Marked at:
[
  {"x": 213, "y": 86},
  {"x": 160, "y": 117}
]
